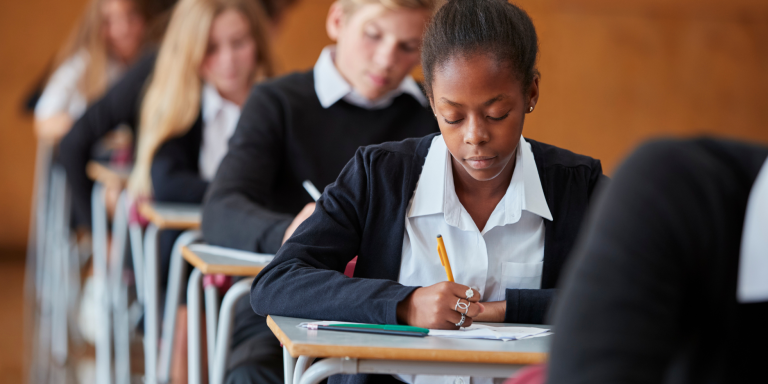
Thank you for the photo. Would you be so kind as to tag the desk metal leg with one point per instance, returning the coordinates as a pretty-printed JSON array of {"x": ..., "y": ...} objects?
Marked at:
[
  {"x": 151, "y": 305},
  {"x": 223, "y": 337},
  {"x": 175, "y": 284},
  {"x": 211, "y": 323},
  {"x": 334, "y": 366},
  {"x": 119, "y": 291},
  {"x": 60, "y": 273},
  {"x": 194, "y": 374},
  {"x": 302, "y": 365},
  {"x": 135, "y": 232},
  {"x": 327, "y": 368},
  {"x": 103, "y": 331},
  {"x": 288, "y": 365}
]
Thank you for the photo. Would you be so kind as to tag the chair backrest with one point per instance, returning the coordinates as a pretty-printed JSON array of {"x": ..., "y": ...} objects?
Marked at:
[{"x": 349, "y": 271}]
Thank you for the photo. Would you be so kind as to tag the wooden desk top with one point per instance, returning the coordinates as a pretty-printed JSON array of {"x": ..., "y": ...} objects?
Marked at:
[
  {"x": 171, "y": 215},
  {"x": 319, "y": 343},
  {"x": 211, "y": 260},
  {"x": 105, "y": 174}
]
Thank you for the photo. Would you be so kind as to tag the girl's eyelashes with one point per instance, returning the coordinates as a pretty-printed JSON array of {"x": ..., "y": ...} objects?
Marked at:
[
  {"x": 452, "y": 122},
  {"x": 499, "y": 118}
]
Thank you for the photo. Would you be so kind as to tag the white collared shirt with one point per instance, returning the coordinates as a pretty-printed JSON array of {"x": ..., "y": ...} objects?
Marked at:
[
  {"x": 330, "y": 86},
  {"x": 62, "y": 92},
  {"x": 507, "y": 254},
  {"x": 753, "y": 265},
  {"x": 220, "y": 118}
]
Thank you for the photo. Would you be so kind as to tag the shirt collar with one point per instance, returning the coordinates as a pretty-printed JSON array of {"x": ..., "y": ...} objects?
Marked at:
[
  {"x": 213, "y": 103},
  {"x": 435, "y": 191},
  {"x": 753, "y": 265},
  {"x": 331, "y": 87}
]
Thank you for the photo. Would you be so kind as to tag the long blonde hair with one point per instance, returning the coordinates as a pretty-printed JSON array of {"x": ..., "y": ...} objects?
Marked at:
[
  {"x": 88, "y": 37},
  {"x": 172, "y": 100}
]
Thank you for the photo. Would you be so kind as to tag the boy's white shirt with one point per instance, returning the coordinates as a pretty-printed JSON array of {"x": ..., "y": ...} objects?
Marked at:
[{"x": 330, "y": 86}]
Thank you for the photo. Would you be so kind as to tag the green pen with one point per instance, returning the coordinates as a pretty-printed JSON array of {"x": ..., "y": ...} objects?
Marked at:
[{"x": 406, "y": 328}]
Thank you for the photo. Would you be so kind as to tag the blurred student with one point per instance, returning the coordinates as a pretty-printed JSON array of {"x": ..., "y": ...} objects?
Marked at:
[
  {"x": 652, "y": 293},
  {"x": 121, "y": 105},
  {"x": 213, "y": 53},
  {"x": 306, "y": 126},
  {"x": 107, "y": 40},
  {"x": 508, "y": 208}
]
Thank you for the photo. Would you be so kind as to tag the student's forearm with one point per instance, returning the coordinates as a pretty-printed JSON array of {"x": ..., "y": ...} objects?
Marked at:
[
  {"x": 53, "y": 128},
  {"x": 494, "y": 312}
]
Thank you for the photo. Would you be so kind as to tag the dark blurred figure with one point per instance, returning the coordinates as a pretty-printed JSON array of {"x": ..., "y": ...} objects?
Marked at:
[{"x": 651, "y": 295}]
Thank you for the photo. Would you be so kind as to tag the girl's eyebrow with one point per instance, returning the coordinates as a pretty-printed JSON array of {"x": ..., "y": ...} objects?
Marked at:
[
  {"x": 493, "y": 100},
  {"x": 487, "y": 103}
]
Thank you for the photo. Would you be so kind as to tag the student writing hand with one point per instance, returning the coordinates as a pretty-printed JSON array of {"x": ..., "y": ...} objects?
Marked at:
[
  {"x": 303, "y": 215},
  {"x": 433, "y": 306}
]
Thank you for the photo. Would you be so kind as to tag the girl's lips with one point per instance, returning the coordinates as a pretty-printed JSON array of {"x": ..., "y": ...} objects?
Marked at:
[
  {"x": 480, "y": 162},
  {"x": 378, "y": 80}
]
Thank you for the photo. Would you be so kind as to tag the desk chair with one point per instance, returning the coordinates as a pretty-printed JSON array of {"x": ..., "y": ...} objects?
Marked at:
[
  {"x": 209, "y": 260},
  {"x": 164, "y": 216}
]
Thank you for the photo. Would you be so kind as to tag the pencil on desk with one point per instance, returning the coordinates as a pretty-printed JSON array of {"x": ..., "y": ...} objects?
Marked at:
[{"x": 444, "y": 258}]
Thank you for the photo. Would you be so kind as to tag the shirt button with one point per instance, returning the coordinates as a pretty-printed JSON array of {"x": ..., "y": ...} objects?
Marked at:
[{"x": 458, "y": 380}]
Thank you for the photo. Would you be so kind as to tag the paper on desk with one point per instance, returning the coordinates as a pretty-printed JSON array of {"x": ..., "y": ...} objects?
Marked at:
[
  {"x": 259, "y": 258},
  {"x": 476, "y": 331},
  {"x": 480, "y": 331}
]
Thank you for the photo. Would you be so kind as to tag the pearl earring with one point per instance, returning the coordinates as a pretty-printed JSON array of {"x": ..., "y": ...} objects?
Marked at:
[{"x": 530, "y": 109}]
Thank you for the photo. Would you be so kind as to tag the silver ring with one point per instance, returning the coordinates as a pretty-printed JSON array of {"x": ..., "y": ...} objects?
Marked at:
[
  {"x": 461, "y": 322},
  {"x": 467, "y": 310},
  {"x": 460, "y": 305},
  {"x": 470, "y": 293}
]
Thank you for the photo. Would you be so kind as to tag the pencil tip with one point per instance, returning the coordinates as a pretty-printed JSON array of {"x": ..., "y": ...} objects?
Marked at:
[{"x": 439, "y": 236}]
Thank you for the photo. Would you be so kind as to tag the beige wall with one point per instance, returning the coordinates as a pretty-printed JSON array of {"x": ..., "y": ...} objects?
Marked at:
[{"x": 614, "y": 74}]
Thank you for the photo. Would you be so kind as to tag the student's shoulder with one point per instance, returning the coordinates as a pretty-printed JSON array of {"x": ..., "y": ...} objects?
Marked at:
[
  {"x": 703, "y": 156},
  {"x": 295, "y": 88},
  {"x": 552, "y": 156}
]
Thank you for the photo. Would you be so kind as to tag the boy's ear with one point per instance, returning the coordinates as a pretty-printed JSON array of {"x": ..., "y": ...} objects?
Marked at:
[{"x": 334, "y": 21}]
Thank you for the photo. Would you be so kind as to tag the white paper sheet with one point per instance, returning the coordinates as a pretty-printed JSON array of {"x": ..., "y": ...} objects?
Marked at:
[
  {"x": 481, "y": 331},
  {"x": 258, "y": 258}
]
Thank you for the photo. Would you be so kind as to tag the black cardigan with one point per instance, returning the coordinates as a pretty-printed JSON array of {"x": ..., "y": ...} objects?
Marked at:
[
  {"x": 176, "y": 169},
  {"x": 284, "y": 137},
  {"x": 175, "y": 172},
  {"x": 363, "y": 214},
  {"x": 651, "y": 296},
  {"x": 120, "y": 105}
]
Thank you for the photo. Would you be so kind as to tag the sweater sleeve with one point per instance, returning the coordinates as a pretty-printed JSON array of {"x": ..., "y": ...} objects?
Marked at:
[
  {"x": 528, "y": 306},
  {"x": 306, "y": 277},
  {"x": 119, "y": 105},
  {"x": 234, "y": 212},
  {"x": 175, "y": 174}
]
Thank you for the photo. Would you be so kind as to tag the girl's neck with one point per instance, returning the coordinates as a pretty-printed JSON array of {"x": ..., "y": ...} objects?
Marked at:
[
  {"x": 480, "y": 198},
  {"x": 238, "y": 97}
]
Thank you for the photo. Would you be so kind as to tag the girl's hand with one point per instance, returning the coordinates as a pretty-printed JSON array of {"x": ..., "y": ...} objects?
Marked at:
[{"x": 433, "y": 306}]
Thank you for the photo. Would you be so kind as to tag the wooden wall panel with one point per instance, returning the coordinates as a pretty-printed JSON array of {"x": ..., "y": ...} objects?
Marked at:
[{"x": 615, "y": 73}]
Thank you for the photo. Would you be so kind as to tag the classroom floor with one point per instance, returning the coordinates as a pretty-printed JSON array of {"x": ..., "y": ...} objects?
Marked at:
[
  {"x": 11, "y": 320},
  {"x": 81, "y": 367}
]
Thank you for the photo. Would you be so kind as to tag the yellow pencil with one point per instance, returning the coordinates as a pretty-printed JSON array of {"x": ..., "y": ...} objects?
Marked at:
[{"x": 444, "y": 258}]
